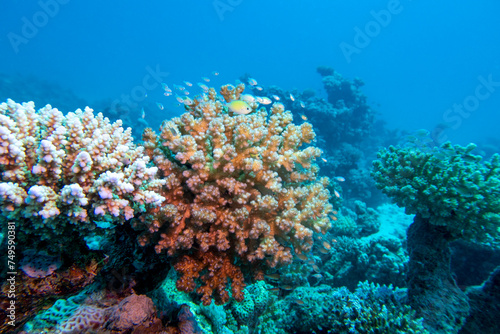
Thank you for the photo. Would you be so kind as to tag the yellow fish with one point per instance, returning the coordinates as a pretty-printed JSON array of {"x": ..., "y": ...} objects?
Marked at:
[{"x": 239, "y": 107}]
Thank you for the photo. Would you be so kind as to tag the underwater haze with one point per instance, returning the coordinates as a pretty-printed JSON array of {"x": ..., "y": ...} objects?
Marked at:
[
  {"x": 417, "y": 63},
  {"x": 250, "y": 166}
]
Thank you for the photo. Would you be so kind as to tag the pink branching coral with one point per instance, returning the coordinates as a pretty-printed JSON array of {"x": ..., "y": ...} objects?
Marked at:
[{"x": 237, "y": 187}]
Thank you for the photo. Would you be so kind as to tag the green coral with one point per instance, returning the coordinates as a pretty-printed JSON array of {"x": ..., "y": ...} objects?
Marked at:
[
  {"x": 62, "y": 310},
  {"x": 448, "y": 185},
  {"x": 370, "y": 309},
  {"x": 257, "y": 297}
]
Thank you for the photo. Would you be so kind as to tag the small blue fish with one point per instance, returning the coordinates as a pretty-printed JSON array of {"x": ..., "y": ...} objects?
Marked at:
[
  {"x": 188, "y": 101},
  {"x": 160, "y": 105},
  {"x": 205, "y": 79},
  {"x": 179, "y": 99},
  {"x": 187, "y": 83},
  {"x": 165, "y": 87},
  {"x": 252, "y": 82},
  {"x": 215, "y": 73},
  {"x": 203, "y": 86}
]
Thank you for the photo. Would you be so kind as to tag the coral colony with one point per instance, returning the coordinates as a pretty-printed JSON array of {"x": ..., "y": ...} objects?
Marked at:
[{"x": 221, "y": 222}]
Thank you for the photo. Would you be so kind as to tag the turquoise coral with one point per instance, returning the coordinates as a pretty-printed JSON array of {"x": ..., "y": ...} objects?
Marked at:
[
  {"x": 370, "y": 309},
  {"x": 448, "y": 185}
]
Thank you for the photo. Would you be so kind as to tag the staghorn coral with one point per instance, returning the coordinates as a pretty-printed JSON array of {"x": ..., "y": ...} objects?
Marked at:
[
  {"x": 59, "y": 174},
  {"x": 237, "y": 188}
]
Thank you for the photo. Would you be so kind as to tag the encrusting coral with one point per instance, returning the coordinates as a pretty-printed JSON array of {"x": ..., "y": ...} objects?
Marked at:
[
  {"x": 238, "y": 189},
  {"x": 60, "y": 174}
]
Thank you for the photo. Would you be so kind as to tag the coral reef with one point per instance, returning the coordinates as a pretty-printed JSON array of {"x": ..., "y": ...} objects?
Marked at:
[
  {"x": 454, "y": 195},
  {"x": 237, "y": 188},
  {"x": 449, "y": 185},
  {"x": 80, "y": 314},
  {"x": 61, "y": 175},
  {"x": 432, "y": 291},
  {"x": 379, "y": 259},
  {"x": 485, "y": 306},
  {"x": 370, "y": 309}
]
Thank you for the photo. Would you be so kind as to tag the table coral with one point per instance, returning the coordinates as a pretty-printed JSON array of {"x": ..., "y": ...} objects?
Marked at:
[
  {"x": 69, "y": 170},
  {"x": 237, "y": 188},
  {"x": 448, "y": 185}
]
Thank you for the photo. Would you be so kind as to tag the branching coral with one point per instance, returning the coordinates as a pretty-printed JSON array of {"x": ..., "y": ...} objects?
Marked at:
[
  {"x": 59, "y": 170},
  {"x": 449, "y": 185},
  {"x": 237, "y": 187}
]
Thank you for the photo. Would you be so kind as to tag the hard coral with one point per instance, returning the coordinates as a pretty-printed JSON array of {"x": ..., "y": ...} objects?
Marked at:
[
  {"x": 448, "y": 185},
  {"x": 236, "y": 187},
  {"x": 61, "y": 173}
]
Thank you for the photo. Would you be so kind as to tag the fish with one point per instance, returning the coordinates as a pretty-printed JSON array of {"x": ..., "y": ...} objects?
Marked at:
[
  {"x": 265, "y": 100},
  {"x": 186, "y": 92},
  {"x": 302, "y": 104},
  {"x": 259, "y": 88},
  {"x": 292, "y": 97},
  {"x": 336, "y": 193},
  {"x": 187, "y": 83},
  {"x": 323, "y": 250},
  {"x": 422, "y": 133},
  {"x": 205, "y": 79},
  {"x": 326, "y": 245},
  {"x": 298, "y": 301},
  {"x": 174, "y": 132},
  {"x": 239, "y": 107},
  {"x": 332, "y": 217},
  {"x": 304, "y": 117},
  {"x": 179, "y": 99},
  {"x": 252, "y": 82},
  {"x": 247, "y": 98},
  {"x": 286, "y": 287},
  {"x": 188, "y": 101},
  {"x": 143, "y": 113},
  {"x": 215, "y": 73},
  {"x": 167, "y": 94},
  {"x": 274, "y": 289},
  {"x": 160, "y": 105},
  {"x": 276, "y": 97},
  {"x": 340, "y": 178},
  {"x": 317, "y": 276},
  {"x": 274, "y": 277},
  {"x": 203, "y": 86},
  {"x": 315, "y": 268},
  {"x": 302, "y": 256},
  {"x": 165, "y": 87},
  {"x": 324, "y": 160}
]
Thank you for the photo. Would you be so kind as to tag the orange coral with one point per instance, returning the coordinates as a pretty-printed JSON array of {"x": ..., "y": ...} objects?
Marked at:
[
  {"x": 218, "y": 268},
  {"x": 236, "y": 187}
]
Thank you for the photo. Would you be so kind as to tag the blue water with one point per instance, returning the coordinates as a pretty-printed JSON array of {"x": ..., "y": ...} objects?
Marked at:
[
  {"x": 418, "y": 63},
  {"x": 424, "y": 64}
]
